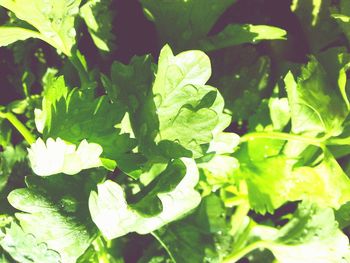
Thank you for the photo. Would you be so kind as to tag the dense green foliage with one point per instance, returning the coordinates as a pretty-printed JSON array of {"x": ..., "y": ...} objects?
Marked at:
[{"x": 220, "y": 133}]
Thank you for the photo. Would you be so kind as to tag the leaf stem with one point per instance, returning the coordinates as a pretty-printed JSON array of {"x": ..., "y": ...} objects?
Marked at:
[
  {"x": 234, "y": 257},
  {"x": 339, "y": 141},
  {"x": 283, "y": 136},
  {"x": 83, "y": 75},
  {"x": 164, "y": 246},
  {"x": 99, "y": 247},
  {"x": 238, "y": 217},
  {"x": 27, "y": 135}
]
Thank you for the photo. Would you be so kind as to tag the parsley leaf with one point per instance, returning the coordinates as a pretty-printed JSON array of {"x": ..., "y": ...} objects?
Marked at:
[
  {"x": 54, "y": 210},
  {"x": 115, "y": 217}
]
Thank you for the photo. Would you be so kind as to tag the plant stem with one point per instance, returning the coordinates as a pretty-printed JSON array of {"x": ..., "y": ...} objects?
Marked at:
[
  {"x": 242, "y": 238},
  {"x": 283, "y": 136},
  {"x": 238, "y": 217},
  {"x": 164, "y": 246},
  {"x": 234, "y": 257},
  {"x": 83, "y": 75},
  {"x": 338, "y": 141},
  {"x": 27, "y": 135},
  {"x": 99, "y": 247}
]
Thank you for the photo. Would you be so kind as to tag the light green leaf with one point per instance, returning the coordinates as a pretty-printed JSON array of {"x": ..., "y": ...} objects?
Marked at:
[
  {"x": 189, "y": 67},
  {"x": 279, "y": 112},
  {"x": 315, "y": 106},
  {"x": 53, "y": 19},
  {"x": 98, "y": 18},
  {"x": 24, "y": 247},
  {"x": 55, "y": 211},
  {"x": 9, "y": 35},
  {"x": 237, "y": 34},
  {"x": 219, "y": 171},
  {"x": 266, "y": 181},
  {"x": 312, "y": 235},
  {"x": 115, "y": 217},
  {"x": 224, "y": 142},
  {"x": 272, "y": 180},
  {"x": 57, "y": 156},
  {"x": 188, "y": 111},
  {"x": 326, "y": 184}
]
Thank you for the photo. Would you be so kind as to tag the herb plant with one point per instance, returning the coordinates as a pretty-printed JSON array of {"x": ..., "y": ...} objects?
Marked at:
[{"x": 229, "y": 143}]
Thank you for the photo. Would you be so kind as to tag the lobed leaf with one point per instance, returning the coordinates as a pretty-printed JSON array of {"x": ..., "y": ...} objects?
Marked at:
[
  {"x": 25, "y": 248},
  {"x": 53, "y": 19},
  {"x": 54, "y": 210},
  {"x": 115, "y": 217}
]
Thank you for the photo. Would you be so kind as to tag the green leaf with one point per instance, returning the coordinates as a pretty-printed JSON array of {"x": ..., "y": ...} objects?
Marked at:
[
  {"x": 131, "y": 85},
  {"x": 272, "y": 180},
  {"x": 4, "y": 258},
  {"x": 336, "y": 61},
  {"x": 200, "y": 237},
  {"x": 54, "y": 90},
  {"x": 99, "y": 19},
  {"x": 315, "y": 106},
  {"x": 53, "y": 19},
  {"x": 344, "y": 23},
  {"x": 266, "y": 182},
  {"x": 25, "y": 248},
  {"x": 178, "y": 110},
  {"x": 101, "y": 251},
  {"x": 224, "y": 142},
  {"x": 182, "y": 23},
  {"x": 279, "y": 112},
  {"x": 146, "y": 201},
  {"x": 78, "y": 116},
  {"x": 318, "y": 27},
  {"x": 5, "y": 220},
  {"x": 342, "y": 16},
  {"x": 273, "y": 114},
  {"x": 55, "y": 211},
  {"x": 9, "y": 35},
  {"x": 218, "y": 171},
  {"x": 236, "y": 34},
  {"x": 5, "y": 133},
  {"x": 312, "y": 235},
  {"x": 187, "y": 111},
  {"x": 115, "y": 217},
  {"x": 343, "y": 215},
  {"x": 9, "y": 159},
  {"x": 325, "y": 185},
  {"x": 242, "y": 77}
]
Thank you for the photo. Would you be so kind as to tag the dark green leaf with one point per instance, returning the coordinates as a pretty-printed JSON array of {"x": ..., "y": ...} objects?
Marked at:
[
  {"x": 182, "y": 23},
  {"x": 236, "y": 34}
]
